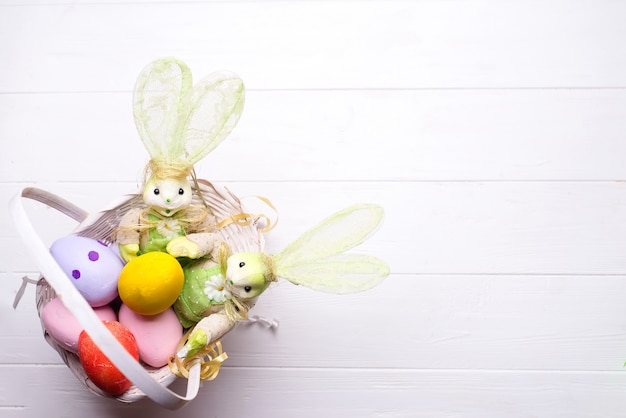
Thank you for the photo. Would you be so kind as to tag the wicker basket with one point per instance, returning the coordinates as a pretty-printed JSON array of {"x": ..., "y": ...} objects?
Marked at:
[{"x": 241, "y": 234}]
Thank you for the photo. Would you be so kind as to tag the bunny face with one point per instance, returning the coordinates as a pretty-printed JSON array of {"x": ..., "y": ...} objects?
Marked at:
[
  {"x": 245, "y": 275},
  {"x": 168, "y": 195}
]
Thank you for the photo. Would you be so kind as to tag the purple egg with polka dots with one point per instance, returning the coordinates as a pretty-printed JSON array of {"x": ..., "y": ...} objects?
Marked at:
[{"x": 93, "y": 267}]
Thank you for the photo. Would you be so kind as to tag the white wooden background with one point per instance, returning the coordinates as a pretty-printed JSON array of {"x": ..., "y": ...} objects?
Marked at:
[{"x": 493, "y": 132}]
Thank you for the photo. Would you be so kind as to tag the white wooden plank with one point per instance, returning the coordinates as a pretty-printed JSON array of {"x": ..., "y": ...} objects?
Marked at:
[
  {"x": 566, "y": 323},
  {"x": 346, "y": 392},
  {"x": 430, "y": 228},
  {"x": 327, "y": 44},
  {"x": 444, "y": 322},
  {"x": 336, "y": 135}
]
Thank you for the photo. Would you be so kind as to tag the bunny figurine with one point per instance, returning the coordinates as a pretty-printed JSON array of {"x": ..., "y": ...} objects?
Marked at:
[
  {"x": 218, "y": 293},
  {"x": 179, "y": 124}
]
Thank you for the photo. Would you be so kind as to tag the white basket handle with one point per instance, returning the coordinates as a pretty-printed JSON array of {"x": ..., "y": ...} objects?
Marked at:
[{"x": 85, "y": 315}]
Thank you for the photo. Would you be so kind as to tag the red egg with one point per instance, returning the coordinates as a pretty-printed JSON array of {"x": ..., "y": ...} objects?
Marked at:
[{"x": 99, "y": 369}]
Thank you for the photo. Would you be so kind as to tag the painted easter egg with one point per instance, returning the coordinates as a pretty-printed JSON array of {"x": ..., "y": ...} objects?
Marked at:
[
  {"x": 151, "y": 283},
  {"x": 91, "y": 266},
  {"x": 157, "y": 335},
  {"x": 98, "y": 368},
  {"x": 63, "y": 327}
]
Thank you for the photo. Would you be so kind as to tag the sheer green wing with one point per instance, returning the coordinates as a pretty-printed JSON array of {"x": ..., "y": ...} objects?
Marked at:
[
  {"x": 158, "y": 105},
  {"x": 180, "y": 122},
  {"x": 316, "y": 258},
  {"x": 340, "y": 274},
  {"x": 215, "y": 106},
  {"x": 336, "y": 234}
]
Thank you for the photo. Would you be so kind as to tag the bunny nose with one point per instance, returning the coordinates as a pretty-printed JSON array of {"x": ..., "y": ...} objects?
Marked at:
[{"x": 168, "y": 200}]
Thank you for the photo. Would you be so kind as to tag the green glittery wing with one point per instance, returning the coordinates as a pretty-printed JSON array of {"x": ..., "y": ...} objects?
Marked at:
[
  {"x": 317, "y": 259},
  {"x": 181, "y": 123}
]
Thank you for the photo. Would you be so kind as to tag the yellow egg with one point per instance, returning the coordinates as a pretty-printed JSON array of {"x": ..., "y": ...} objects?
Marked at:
[{"x": 150, "y": 283}]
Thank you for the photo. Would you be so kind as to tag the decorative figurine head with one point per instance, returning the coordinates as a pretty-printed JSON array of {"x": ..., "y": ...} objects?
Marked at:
[
  {"x": 248, "y": 274},
  {"x": 168, "y": 195}
]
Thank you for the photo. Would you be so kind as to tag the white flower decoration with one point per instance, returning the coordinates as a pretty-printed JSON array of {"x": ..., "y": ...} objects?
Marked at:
[
  {"x": 215, "y": 289},
  {"x": 169, "y": 228}
]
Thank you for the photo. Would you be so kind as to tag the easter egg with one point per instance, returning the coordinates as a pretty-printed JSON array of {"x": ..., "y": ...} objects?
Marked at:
[
  {"x": 150, "y": 283},
  {"x": 157, "y": 335},
  {"x": 98, "y": 368},
  {"x": 63, "y": 327},
  {"x": 91, "y": 266}
]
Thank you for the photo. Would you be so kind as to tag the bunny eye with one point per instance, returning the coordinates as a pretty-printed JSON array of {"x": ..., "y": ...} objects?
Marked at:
[
  {"x": 247, "y": 289},
  {"x": 241, "y": 265},
  {"x": 157, "y": 191},
  {"x": 181, "y": 191}
]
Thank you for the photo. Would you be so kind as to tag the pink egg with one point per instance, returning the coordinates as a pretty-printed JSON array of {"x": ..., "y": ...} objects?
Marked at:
[
  {"x": 91, "y": 266},
  {"x": 157, "y": 335},
  {"x": 63, "y": 327}
]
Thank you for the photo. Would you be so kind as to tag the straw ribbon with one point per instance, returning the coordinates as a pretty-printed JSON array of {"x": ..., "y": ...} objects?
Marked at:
[
  {"x": 245, "y": 219},
  {"x": 210, "y": 359}
]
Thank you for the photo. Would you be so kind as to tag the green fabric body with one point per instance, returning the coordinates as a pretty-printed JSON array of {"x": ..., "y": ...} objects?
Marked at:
[
  {"x": 156, "y": 241},
  {"x": 193, "y": 302}
]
